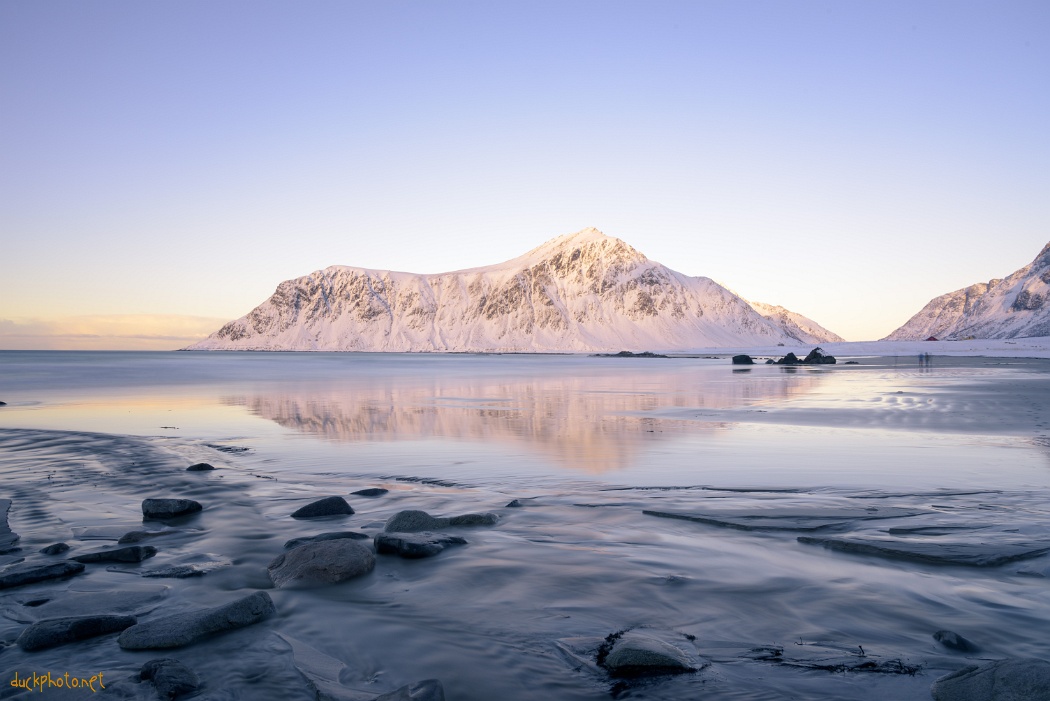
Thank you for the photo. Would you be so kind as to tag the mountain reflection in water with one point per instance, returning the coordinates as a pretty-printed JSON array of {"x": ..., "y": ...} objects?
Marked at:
[{"x": 591, "y": 422}]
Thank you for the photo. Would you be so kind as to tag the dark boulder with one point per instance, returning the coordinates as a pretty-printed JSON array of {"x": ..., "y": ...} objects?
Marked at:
[
  {"x": 55, "y": 549},
  {"x": 185, "y": 628},
  {"x": 131, "y": 553},
  {"x": 17, "y": 576},
  {"x": 636, "y": 654},
  {"x": 954, "y": 641},
  {"x": 161, "y": 509},
  {"x": 411, "y": 521},
  {"x": 743, "y": 360},
  {"x": 515, "y": 504},
  {"x": 817, "y": 356},
  {"x": 370, "y": 492},
  {"x": 59, "y": 631},
  {"x": 789, "y": 359},
  {"x": 317, "y": 564},
  {"x": 474, "y": 520},
  {"x": 414, "y": 545},
  {"x": 200, "y": 467},
  {"x": 170, "y": 677},
  {"x": 329, "y": 506}
]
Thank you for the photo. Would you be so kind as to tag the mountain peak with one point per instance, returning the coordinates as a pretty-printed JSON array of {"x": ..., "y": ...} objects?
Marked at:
[{"x": 589, "y": 239}]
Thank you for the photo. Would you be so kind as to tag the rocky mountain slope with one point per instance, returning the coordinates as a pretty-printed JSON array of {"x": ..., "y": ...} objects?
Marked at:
[
  {"x": 799, "y": 327},
  {"x": 579, "y": 292},
  {"x": 1017, "y": 306}
]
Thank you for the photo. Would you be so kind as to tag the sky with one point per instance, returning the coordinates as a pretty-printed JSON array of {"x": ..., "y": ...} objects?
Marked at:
[{"x": 164, "y": 165}]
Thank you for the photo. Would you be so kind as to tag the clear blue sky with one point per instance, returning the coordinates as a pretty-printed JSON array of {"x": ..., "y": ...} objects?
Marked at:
[{"x": 169, "y": 163}]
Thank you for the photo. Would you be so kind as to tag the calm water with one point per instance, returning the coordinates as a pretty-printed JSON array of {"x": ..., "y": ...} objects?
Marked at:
[{"x": 953, "y": 460}]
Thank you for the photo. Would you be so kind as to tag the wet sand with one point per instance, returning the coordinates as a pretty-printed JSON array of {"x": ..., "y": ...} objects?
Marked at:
[{"x": 808, "y": 530}]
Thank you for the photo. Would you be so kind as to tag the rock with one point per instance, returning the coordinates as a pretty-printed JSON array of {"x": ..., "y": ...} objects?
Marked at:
[
  {"x": 200, "y": 467},
  {"x": 1002, "y": 680},
  {"x": 184, "y": 628},
  {"x": 335, "y": 535},
  {"x": 414, "y": 545},
  {"x": 3, "y": 403},
  {"x": 514, "y": 504},
  {"x": 371, "y": 492},
  {"x": 635, "y": 654},
  {"x": 954, "y": 641},
  {"x": 170, "y": 677},
  {"x": 160, "y": 509},
  {"x": 743, "y": 360},
  {"x": 59, "y": 631},
  {"x": 181, "y": 571},
  {"x": 789, "y": 359},
  {"x": 474, "y": 520},
  {"x": 415, "y": 521},
  {"x": 320, "y": 563},
  {"x": 817, "y": 356},
  {"x": 851, "y": 362},
  {"x": 17, "y": 576},
  {"x": 131, "y": 553},
  {"x": 426, "y": 690},
  {"x": 55, "y": 549},
  {"x": 8, "y": 538},
  {"x": 139, "y": 536},
  {"x": 329, "y": 506},
  {"x": 412, "y": 521}
]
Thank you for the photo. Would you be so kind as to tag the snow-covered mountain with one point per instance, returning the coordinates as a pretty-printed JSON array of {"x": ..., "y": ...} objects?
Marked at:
[
  {"x": 1014, "y": 307},
  {"x": 799, "y": 327},
  {"x": 579, "y": 292}
]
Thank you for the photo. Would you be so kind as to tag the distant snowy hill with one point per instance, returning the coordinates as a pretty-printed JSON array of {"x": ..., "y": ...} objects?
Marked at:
[
  {"x": 795, "y": 325},
  {"x": 579, "y": 292},
  {"x": 1015, "y": 307}
]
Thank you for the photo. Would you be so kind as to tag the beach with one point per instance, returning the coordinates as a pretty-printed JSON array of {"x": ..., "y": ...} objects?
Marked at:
[{"x": 795, "y": 532}]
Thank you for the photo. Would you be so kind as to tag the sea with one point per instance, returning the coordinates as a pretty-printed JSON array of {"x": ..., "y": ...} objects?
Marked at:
[{"x": 800, "y": 532}]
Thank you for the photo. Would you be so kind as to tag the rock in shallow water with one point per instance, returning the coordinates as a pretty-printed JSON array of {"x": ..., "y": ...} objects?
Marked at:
[
  {"x": 329, "y": 506},
  {"x": 23, "y": 574},
  {"x": 160, "y": 509},
  {"x": 412, "y": 521},
  {"x": 55, "y": 549},
  {"x": 59, "y": 631},
  {"x": 954, "y": 641},
  {"x": 635, "y": 654},
  {"x": 184, "y": 628},
  {"x": 131, "y": 553},
  {"x": 1003, "y": 680},
  {"x": 370, "y": 492},
  {"x": 200, "y": 467},
  {"x": 415, "y": 545},
  {"x": 170, "y": 677},
  {"x": 320, "y": 563}
]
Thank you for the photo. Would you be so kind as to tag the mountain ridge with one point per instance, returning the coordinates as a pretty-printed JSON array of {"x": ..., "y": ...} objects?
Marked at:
[
  {"x": 1016, "y": 306},
  {"x": 579, "y": 292}
]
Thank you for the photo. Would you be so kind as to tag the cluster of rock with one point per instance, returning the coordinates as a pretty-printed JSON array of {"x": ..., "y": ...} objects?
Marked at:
[
  {"x": 325, "y": 558},
  {"x": 817, "y": 356}
]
